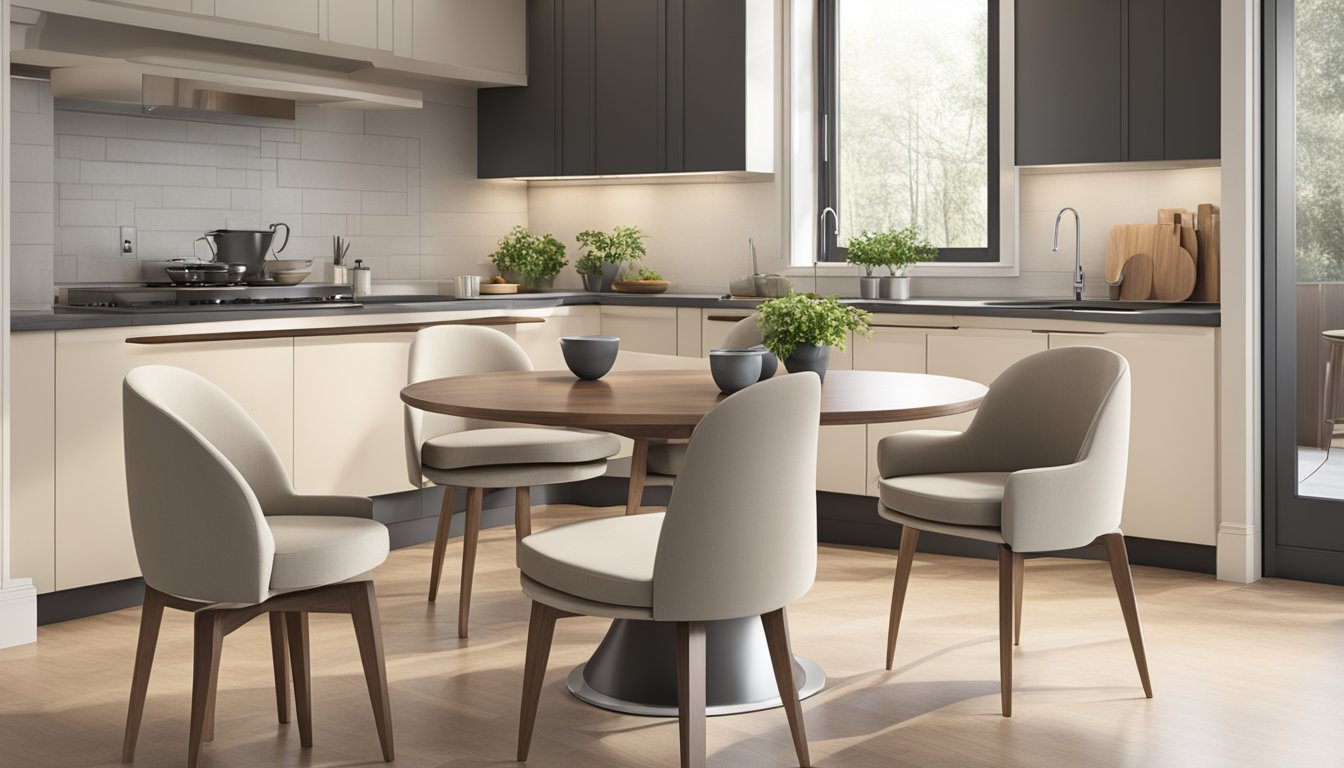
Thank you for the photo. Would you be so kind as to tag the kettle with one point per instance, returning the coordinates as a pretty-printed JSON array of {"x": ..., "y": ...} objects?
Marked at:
[{"x": 244, "y": 246}]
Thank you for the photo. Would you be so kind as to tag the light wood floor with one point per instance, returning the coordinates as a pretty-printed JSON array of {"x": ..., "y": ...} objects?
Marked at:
[{"x": 1242, "y": 676}]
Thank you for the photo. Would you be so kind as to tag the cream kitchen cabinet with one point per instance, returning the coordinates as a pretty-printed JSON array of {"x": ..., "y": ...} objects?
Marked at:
[
  {"x": 1172, "y": 488},
  {"x": 32, "y": 436},
  {"x": 715, "y": 325},
  {"x": 642, "y": 329},
  {"x": 92, "y": 524},
  {"x": 541, "y": 341},
  {"x": 360, "y": 23},
  {"x": 296, "y": 15}
]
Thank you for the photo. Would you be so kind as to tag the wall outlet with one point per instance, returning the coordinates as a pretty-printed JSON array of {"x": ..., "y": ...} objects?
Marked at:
[{"x": 126, "y": 245}]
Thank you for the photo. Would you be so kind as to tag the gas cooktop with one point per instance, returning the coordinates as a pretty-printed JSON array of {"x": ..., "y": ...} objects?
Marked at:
[{"x": 179, "y": 298}]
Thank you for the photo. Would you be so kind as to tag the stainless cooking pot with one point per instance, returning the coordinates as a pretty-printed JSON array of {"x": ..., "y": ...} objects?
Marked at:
[
  {"x": 244, "y": 246},
  {"x": 205, "y": 273}
]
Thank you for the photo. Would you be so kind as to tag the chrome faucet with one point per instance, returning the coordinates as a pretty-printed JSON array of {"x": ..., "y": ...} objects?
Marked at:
[
  {"x": 821, "y": 228},
  {"x": 1078, "y": 280}
]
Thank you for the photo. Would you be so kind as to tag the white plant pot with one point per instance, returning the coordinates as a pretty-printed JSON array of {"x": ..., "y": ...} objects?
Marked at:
[
  {"x": 869, "y": 287},
  {"x": 894, "y": 288}
]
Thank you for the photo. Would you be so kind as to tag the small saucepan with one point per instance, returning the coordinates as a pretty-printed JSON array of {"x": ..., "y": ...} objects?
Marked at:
[{"x": 206, "y": 273}]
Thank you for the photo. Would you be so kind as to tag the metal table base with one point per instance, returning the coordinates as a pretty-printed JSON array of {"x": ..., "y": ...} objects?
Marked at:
[{"x": 634, "y": 670}]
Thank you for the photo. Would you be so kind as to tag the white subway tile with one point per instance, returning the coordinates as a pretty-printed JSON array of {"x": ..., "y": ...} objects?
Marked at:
[
  {"x": 67, "y": 268},
  {"x": 95, "y": 172},
  {"x": 144, "y": 151},
  {"x": 31, "y": 128},
  {"x": 70, "y": 123},
  {"x": 82, "y": 147},
  {"x": 280, "y": 200},
  {"x": 384, "y": 203},
  {"x": 125, "y": 213},
  {"x": 87, "y": 241},
  {"x": 288, "y": 151},
  {"x": 32, "y": 197},
  {"x": 231, "y": 177},
  {"x": 353, "y": 148},
  {"x": 31, "y": 276},
  {"x": 31, "y": 228},
  {"x": 245, "y": 199},
  {"x": 76, "y": 191},
  {"x": 403, "y": 266},
  {"x": 330, "y": 201},
  {"x": 317, "y": 174},
  {"x": 26, "y": 96},
  {"x": 268, "y": 149},
  {"x": 169, "y": 175},
  {"x": 140, "y": 194},
  {"x": 279, "y": 134},
  {"x": 88, "y": 213},
  {"x": 156, "y": 129},
  {"x": 117, "y": 269},
  {"x": 217, "y": 198},
  {"x": 64, "y": 170},
  {"x": 33, "y": 163},
  {"x": 390, "y": 226}
]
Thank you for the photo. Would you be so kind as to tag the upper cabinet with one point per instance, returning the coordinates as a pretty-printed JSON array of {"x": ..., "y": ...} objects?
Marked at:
[
  {"x": 1104, "y": 81},
  {"x": 636, "y": 87}
]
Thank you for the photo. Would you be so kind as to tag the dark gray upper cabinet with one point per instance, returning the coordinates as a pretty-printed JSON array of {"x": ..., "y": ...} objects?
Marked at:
[
  {"x": 1101, "y": 81},
  {"x": 622, "y": 87}
]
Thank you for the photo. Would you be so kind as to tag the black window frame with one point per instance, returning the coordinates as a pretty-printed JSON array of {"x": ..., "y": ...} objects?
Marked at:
[{"x": 828, "y": 175}]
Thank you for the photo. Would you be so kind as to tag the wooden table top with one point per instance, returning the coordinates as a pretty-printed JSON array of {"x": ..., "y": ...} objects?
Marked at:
[{"x": 670, "y": 403}]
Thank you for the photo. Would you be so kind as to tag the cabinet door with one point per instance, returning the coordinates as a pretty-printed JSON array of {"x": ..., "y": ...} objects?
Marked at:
[
  {"x": 707, "y": 85},
  {"x": 1068, "y": 81},
  {"x": 32, "y": 435},
  {"x": 629, "y": 89},
  {"x": 516, "y": 127},
  {"x": 348, "y": 418},
  {"x": 93, "y": 526},
  {"x": 298, "y": 15},
  {"x": 715, "y": 325},
  {"x": 541, "y": 341},
  {"x": 1171, "y": 489},
  {"x": 1191, "y": 97},
  {"x": 1146, "y": 67},
  {"x": 642, "y": 329},
  {"x": 353, "y": 22}
]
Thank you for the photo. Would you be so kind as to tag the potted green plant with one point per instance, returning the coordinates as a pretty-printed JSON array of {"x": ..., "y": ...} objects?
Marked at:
[
  {"x": 531, "y": 260},
  {"x": 894, "y": 249},
  {"x": 603, "y": 254},
  {"x": 642, "y": 280},
  {"x": 801, "y": 328}
]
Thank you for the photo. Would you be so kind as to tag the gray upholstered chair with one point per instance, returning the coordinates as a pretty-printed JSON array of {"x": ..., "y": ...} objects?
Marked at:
[
  {"x": 666, "y": 458},
  {"x": 739, "y": 539},
  {"x": 476, "y": 455},
  {"x": 1040, "y": 469},
  {"x": 220, "y": 532}
]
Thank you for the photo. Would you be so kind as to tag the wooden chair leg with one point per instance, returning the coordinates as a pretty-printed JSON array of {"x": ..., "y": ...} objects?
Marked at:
[
  {"x": 522, "y": 512},
  {"x": 151, "y": 618},
  {"x": 639, "y": 469},
  {"x": 440, "y": 543},
  {"x": 1118, "y": 557},
  {"x": 209, "y": 641},
  {"x": 1006, "y": 556},
  {"x": 471, "y": 534},
  {"x": 540, "y": 632},
  {"x": 904, "y": 562},
  {"x": 368, "y": 633},
  {"x": 297, "y": 630},
  {"x": 781, "y": 658},
  {"x": 691, "y": 692},
  {"x": 281, "y": 665},
  {"x": 1019, "y": 572}
]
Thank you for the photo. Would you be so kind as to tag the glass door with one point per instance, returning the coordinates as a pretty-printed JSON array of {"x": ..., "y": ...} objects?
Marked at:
[{"x": 1304, "y": 296}]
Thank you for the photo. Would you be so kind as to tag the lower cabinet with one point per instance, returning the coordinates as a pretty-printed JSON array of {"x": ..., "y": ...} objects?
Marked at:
[
  {"x": 1171, "y": 490},
  {"x": 642, "y": 329},
  {"x": 32, "y": 471}
]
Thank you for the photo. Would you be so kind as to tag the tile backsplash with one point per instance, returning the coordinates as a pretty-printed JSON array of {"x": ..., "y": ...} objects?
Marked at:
[{"x": 401, "y": 185}]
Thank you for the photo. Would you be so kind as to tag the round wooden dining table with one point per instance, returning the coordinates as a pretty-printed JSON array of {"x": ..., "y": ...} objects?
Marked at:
[{"x": 634, "y": 670}]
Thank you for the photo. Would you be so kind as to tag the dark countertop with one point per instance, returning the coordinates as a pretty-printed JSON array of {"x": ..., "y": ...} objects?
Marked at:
[{"x": 376, "y": 307}]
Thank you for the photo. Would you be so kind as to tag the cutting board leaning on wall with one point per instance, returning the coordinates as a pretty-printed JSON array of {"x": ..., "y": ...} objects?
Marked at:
[{"x": 1181, "y": 257}]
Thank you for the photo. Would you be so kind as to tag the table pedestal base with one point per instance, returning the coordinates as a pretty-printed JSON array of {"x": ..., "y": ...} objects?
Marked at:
[{"x": 634, "y": 670}]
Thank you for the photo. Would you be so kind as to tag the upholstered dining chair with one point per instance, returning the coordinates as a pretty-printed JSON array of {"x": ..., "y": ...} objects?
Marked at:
[
  {"x": 738, "y": 539},
  {"x": 1040, "y": 469},
  {"x": 220, "y": 532},
  {"x": 456, "y": 452},
  {"x": 665, "y": 458}
]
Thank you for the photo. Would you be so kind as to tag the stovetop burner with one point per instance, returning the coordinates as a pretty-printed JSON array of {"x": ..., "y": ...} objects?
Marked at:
[{"x": 173, "y": 298}]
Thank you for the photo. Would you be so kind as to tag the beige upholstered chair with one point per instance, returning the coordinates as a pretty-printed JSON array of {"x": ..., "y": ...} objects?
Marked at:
[
  {"x": 666, "y": 458},
  {"x": 220, "y": 532},
  {"x": 1040, "y": 469},
  {"x": 476, "y": 455},
  {"x": 739, "y": 539}
]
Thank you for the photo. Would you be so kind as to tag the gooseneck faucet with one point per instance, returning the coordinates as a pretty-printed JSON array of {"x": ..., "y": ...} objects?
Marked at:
[
  {"x": 821, "y": 229},
  {"x": 1078, "y": 280}
]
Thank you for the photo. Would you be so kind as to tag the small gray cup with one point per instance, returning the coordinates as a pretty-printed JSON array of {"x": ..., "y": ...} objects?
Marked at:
[
  {"x": 589, "y": 357},
  {"x": 735, "y": 369},
  {"x": 769, "y": 363}
]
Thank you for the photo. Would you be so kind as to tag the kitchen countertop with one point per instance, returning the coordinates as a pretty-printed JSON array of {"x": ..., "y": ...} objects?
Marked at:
[{"x": 1143, "y": 313}]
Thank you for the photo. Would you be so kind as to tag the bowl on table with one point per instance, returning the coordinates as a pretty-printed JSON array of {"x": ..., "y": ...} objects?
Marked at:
[
  {"x": 735, "y": 369},
  {"x": 589, "y": 357}
]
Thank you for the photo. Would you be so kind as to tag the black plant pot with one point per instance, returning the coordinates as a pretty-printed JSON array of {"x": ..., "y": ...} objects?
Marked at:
[{"x": 809, "y": 357}]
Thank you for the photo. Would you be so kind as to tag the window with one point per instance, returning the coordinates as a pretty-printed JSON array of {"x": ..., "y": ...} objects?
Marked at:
[{"x": 909, "y": 123}]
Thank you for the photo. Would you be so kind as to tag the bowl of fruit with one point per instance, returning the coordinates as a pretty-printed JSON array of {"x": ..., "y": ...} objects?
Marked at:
[
  {"x": 497, "y": 285},
  {"x": 645, "y": 280}
]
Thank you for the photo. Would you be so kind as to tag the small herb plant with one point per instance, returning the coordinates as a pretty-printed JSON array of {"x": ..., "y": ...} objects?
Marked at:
[
  {"x": 532, "y": 257},
  {"x": 806, "y": 318},
  {"x": 893, "y": 249},
  {"x": 643, "y": 273},
  {"x": 622, "y": 244}
]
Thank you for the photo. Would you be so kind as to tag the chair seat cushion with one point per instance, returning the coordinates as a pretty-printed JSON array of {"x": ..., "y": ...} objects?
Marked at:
[
  {"x": 312, "y": 551},
  {"x": 667, "y": 458},
  {"x": 517, "y": 445},
  {"x": 607, "y": 560},
  {"x": 965, "y": 498}
]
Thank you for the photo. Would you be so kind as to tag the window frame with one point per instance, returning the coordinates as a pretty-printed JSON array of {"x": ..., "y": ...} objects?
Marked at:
[{"x": 827, "y": 133}]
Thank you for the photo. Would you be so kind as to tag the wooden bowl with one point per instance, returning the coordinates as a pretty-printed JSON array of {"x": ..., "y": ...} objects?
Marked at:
[
  {"x": 488, "y": 289},
  {"x": 640, "y": 286}
]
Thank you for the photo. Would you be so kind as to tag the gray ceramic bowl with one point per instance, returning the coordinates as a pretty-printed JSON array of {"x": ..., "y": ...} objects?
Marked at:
[
  {"x": 769, "y": 363},
  {"x": 589, "y": 357},
  {"x": 735, "y": 369}
]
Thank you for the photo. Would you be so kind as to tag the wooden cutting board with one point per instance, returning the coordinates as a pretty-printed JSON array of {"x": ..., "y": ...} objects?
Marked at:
[
  {"x": 1137, "y": 278},
  {"x": 1128, "y": 239},
  {"x": 1173, "y": 267},
  {"x": 1207, "y": 270}
]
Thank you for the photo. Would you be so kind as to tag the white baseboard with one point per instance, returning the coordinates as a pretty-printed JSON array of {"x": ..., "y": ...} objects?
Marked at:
[{"x": 18, "y": 614}]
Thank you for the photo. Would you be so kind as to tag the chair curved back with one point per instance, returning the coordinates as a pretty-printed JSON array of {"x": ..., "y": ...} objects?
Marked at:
[
  {"x": 740, "y": 535},
  {"x": 744, "y": 334},
  {"x": 199, "y": 471},
  {"x": 441, "y": 351}
]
